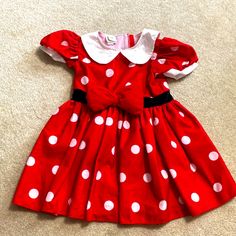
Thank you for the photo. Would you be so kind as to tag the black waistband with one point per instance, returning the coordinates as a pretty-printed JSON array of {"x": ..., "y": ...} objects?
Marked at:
[{"x": 80, "y": 95}]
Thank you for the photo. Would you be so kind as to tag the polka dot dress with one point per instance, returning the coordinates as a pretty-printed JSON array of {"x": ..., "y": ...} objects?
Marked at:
[{"x": 115, "y": 166}]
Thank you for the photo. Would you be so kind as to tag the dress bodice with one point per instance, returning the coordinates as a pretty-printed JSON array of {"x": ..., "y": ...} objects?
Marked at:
[{"x": 142, "y": 60}]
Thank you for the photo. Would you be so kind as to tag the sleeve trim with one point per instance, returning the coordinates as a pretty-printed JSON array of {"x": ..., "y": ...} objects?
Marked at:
[
  {"x": 52, "y": 53},
  {"x": 177, "y": 74}
]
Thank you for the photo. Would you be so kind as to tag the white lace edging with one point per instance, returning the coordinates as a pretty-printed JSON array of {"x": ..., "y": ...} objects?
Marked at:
[{"x": 177, "y": 74}]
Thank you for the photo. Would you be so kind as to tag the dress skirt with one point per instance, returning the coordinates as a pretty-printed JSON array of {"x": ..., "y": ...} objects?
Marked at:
[{"x": 111, "y": 166}]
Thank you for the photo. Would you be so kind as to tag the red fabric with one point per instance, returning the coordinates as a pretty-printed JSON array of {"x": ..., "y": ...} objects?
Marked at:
[
  {"x": 112, "y": 166},
  {"x": 175, "y": 53},
  {"x": 128, "y": 99},
  {"x": 131, "y": 40},
  {"x": 64, "y": 42}
]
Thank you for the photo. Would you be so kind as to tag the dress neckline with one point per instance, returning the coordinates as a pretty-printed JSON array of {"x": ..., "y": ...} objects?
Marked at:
[
  {"x": 100, "y": 35},
  {"x": 139, "y": 53}
]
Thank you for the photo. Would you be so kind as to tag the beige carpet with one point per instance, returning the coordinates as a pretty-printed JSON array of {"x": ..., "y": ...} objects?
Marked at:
[{"x": 33, "y": 86}]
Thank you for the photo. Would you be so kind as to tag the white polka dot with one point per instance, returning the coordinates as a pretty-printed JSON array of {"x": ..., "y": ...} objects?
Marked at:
[
  {"x": 166, "y": 85},
  {"x": 49, "y": 197},
  {"x": 150, "y": 120},
  {"x": 99, "y": 120},
  {"x": 181, "y": 200},
  {"x": 181, "y": 113},
  {"x": 98, "y": 175},
  {"x": 85, "y": 174},
  {"x": 156, "y": 121},
  {"x": 84, "y": 80},
  {"x": 161, "y": 61},
  {"x": 128, "y": 84},
  {"x": 154, "y": 56},
  {"x": 55, "y": 112},
  {"x": 55, "y": 169},
  {"x": 174, "y": 48},
  {"x": 64, "y": 43},
  {"x": 30, "y": 161},
  {"x": 88, "y": 205},
  {"x": 132, "y": 64},
  {"x": 173, "y": 144},
  {"x": 113, "y": 150},
  {"x": 195, "y": 197},
  {"x": 193, "y": 167},
  {"x": 82, "y": 145},
  {"x": 135, "y": 207},
  {"x": 164, "y": 174},
  {"x": 185, "y": 140},
  {"x": 122, "y": 177},
  {"x": 120, "y": 123},
  {"x": 147, "y": 177},
  {"x": 185, "y": 63},
  {"x": 126, "y": 124},
  {"x": 217, "y": 187},
  {"x": 69, "y": 201},
  {"x": 73, "y": 142},
  {"x": 135, "y": 149},
  {"x": 86, "y": 60},
  {"x": 52, "y": 139},
  {"x": 33, "y": 193},
  {"x": 74, "y": 117},
  {"x": 149, "y": 148},
  {"x": 108, "y": 205},
  {"x": 173, "y": 173},
  {"x": 74, "y": 57},
  {"x": 109, "y": 72},
  {"x": 109, "y": 121},
  {"x": 163, "y": 205},
  {"x": 213, "y": 156}
]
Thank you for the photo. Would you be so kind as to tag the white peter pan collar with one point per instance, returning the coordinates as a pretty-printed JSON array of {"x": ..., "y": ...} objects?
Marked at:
[{"x": 140, "y": 53}]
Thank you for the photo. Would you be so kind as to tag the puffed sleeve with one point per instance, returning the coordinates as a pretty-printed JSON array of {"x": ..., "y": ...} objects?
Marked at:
[
  {"x": 61, "y": 45},
  {"x": 174, "y": 59}
]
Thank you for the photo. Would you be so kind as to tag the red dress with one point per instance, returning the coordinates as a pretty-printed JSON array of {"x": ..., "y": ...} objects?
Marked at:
[{"x": 122, "y": 149}]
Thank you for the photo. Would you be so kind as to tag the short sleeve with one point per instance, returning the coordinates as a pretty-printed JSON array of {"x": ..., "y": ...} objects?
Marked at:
[
  {"x": 61, "y": 45},
  {"x": 175, "y": 59}
]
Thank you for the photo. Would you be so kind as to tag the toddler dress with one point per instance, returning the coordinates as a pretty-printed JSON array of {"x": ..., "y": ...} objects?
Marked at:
[{"x": 122, "y": 149}]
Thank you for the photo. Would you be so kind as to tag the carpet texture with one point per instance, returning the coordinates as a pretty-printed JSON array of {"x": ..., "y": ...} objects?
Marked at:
[{"x": 33, "y": 86}]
